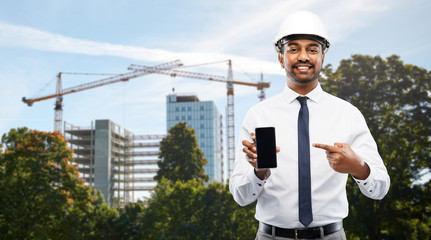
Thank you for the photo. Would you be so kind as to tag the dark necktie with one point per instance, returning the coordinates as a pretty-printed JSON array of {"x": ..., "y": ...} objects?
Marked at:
[{"x": 305, "y": 213}]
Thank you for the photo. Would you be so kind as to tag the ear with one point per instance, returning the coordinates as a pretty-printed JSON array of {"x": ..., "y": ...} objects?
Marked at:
[{"x": 281, "y": 59}]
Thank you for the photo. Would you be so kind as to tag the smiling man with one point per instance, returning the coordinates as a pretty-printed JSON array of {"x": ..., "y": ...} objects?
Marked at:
[{"x": 321, "y": 138}]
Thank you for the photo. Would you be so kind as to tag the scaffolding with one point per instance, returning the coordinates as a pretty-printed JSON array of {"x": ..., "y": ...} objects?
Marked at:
[{"x": 113, "y": 160}]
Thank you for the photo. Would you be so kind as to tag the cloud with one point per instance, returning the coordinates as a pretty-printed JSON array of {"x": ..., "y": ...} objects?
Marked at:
[
  {"x": 229, "y": 32},
  {"x": 25, "y": 37}
]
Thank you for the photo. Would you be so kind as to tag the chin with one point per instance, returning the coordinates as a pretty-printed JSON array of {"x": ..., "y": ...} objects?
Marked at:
[{"x": 304, "y": 80}]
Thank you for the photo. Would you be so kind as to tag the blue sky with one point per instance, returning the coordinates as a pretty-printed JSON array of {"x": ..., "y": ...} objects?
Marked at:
[{"x": 38, "y": 39}]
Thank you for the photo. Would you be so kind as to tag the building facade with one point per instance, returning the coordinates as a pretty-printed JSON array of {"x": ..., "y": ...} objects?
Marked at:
[
  {"x": 114, "y": 160},
  {"x": 204, "y": 117}
]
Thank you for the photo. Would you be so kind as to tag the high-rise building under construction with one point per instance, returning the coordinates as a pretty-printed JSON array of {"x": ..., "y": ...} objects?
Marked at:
[
  {"x": 114, "y": 160},
  {"x": 204, "y": 117}
]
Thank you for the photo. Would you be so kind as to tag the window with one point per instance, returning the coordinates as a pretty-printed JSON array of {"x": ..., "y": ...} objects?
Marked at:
[
  {"x": 202, "y": 126},
  {"x": 189, "y": 108},
  {"x": 183, "y": 109},
  {"x": 177, "y": 118},
  {"x": 189, "y": 117},
  {"x": 202, "y": 108},
  {"x": 183, "y": 118},
  {"x": 202, "y": 117},
  {"x": 177, "y": 109}
]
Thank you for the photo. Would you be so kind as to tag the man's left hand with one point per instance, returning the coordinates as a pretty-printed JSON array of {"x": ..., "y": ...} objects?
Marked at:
[{"x": 342, "y": 159}]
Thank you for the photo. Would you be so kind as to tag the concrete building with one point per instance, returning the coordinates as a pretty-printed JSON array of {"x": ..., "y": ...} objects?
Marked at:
[
  {"x": 204, "y": 117},
  {"x": 114, "y": 160}
]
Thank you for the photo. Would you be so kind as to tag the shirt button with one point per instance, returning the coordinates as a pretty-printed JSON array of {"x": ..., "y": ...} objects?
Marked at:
[
  {"x": 371, "y": 190},
  {"x": 260, "y": 185}
]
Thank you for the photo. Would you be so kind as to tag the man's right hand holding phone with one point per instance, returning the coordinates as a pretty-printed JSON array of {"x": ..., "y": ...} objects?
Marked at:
[{"x": 250, "y": 151}]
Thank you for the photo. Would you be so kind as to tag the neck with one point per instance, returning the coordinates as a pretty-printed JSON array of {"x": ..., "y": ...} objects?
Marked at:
[{"x": 302, "y": 88}]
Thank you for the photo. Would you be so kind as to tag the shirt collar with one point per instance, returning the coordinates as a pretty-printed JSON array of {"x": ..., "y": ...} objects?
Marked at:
[{"x": 315, "y": 95}]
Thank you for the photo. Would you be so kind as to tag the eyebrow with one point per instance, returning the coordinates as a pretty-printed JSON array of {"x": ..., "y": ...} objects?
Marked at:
[{"x": 308, "y": 45}]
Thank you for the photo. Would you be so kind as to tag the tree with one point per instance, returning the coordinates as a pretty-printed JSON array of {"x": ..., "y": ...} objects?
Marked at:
[
  {"x": 181, "y": 158},
  {"x": 182, "y": 207},
  {"x": 129, "y": 223},
  {"x": 395, "y": 100},
  {"x": 191, "y": 210},
  {"x": 42, "y": 196},
  {"x": 217, "y": 208},
  {"x": 93, "y": 220}
]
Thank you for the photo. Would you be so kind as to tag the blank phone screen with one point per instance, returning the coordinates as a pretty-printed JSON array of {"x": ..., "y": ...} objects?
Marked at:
[{"x": 266, "y": 147}]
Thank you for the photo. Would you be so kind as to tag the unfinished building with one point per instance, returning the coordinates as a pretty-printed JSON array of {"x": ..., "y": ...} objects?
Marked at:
[{"x": 114, "y": 160}]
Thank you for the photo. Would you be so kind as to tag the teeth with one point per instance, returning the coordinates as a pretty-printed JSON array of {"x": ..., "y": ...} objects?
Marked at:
[{"x": 302, "y": 68}]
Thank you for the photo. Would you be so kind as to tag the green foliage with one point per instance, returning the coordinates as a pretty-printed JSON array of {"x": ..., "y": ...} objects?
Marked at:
[
  {"x": 42, "y": 196},
  {"x": 190, "y": 210},
  {"x": 181, "y": 157},
  {"x": 395, "y": 100},
  {"x": 129, "y": 224}
]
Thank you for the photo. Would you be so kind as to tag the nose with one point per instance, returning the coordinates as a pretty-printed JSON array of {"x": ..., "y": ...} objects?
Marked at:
[{"x": 303, "y": 56}]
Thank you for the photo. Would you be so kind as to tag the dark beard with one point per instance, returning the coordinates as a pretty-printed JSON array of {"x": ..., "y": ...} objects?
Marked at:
[{"x": 294, "y": 77}]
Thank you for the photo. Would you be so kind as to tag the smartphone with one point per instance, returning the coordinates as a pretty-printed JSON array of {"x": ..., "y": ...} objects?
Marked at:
[{"x": 266, "y": 147}]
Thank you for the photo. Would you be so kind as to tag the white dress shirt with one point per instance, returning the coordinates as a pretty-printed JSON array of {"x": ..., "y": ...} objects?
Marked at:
[{"x": 331, "y": 120}]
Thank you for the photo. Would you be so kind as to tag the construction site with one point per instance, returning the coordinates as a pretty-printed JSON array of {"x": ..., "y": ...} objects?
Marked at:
[
  {"x": 114, "y": 160},
  {"x": 119, "y": 163}
]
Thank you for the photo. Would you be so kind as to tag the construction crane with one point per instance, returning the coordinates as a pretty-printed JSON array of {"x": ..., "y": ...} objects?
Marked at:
[
  {"x": 167, "y": 69},
  {"x": 58, "y": 116},
  {"x": 230, "y": 98}
]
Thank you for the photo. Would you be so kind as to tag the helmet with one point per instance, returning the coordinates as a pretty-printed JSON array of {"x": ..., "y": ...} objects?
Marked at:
[{"x": 299, "y": 25}]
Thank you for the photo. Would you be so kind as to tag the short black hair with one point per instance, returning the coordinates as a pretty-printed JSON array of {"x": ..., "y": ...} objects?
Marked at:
[{"x": 286, "y": 39}]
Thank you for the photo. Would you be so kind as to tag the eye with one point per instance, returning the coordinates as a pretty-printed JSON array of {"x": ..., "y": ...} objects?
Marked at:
[
  {"x": 292, "y": 50},
  {"x": 314, "y": 50}
]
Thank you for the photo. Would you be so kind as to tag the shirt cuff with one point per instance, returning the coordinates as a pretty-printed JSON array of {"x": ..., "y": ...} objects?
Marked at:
[
  {"x": 367, "y": 184},
  {"x": 256, "y": 183}
]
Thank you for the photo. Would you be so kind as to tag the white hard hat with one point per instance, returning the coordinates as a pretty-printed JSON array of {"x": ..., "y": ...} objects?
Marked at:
[{"x": 302, "y": 24}]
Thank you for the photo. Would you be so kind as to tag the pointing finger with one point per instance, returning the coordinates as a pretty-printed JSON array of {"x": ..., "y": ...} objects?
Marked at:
[{"x": 329, "y": 148}]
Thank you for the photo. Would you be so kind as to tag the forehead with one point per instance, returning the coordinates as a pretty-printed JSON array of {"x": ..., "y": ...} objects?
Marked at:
[{"x": 303, "y": 43}]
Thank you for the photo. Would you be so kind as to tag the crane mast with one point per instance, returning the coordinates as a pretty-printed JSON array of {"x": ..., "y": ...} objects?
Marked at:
[
  {"x": 262, "y": 90},
  {"x": 58, "y": 110},
  {"x": 230, "y": 120}
]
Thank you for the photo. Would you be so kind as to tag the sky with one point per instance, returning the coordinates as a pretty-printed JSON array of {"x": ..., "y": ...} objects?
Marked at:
[{"x": 39, "y": 39}]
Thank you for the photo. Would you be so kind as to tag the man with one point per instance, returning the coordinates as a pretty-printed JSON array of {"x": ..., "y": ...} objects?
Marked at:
[{"x": 305, "y": 196}]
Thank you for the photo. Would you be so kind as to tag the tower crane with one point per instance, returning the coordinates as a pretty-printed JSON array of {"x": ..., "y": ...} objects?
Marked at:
[
  {"x": 230, "y": 98},
  {"x": 58, "y": 116}
]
